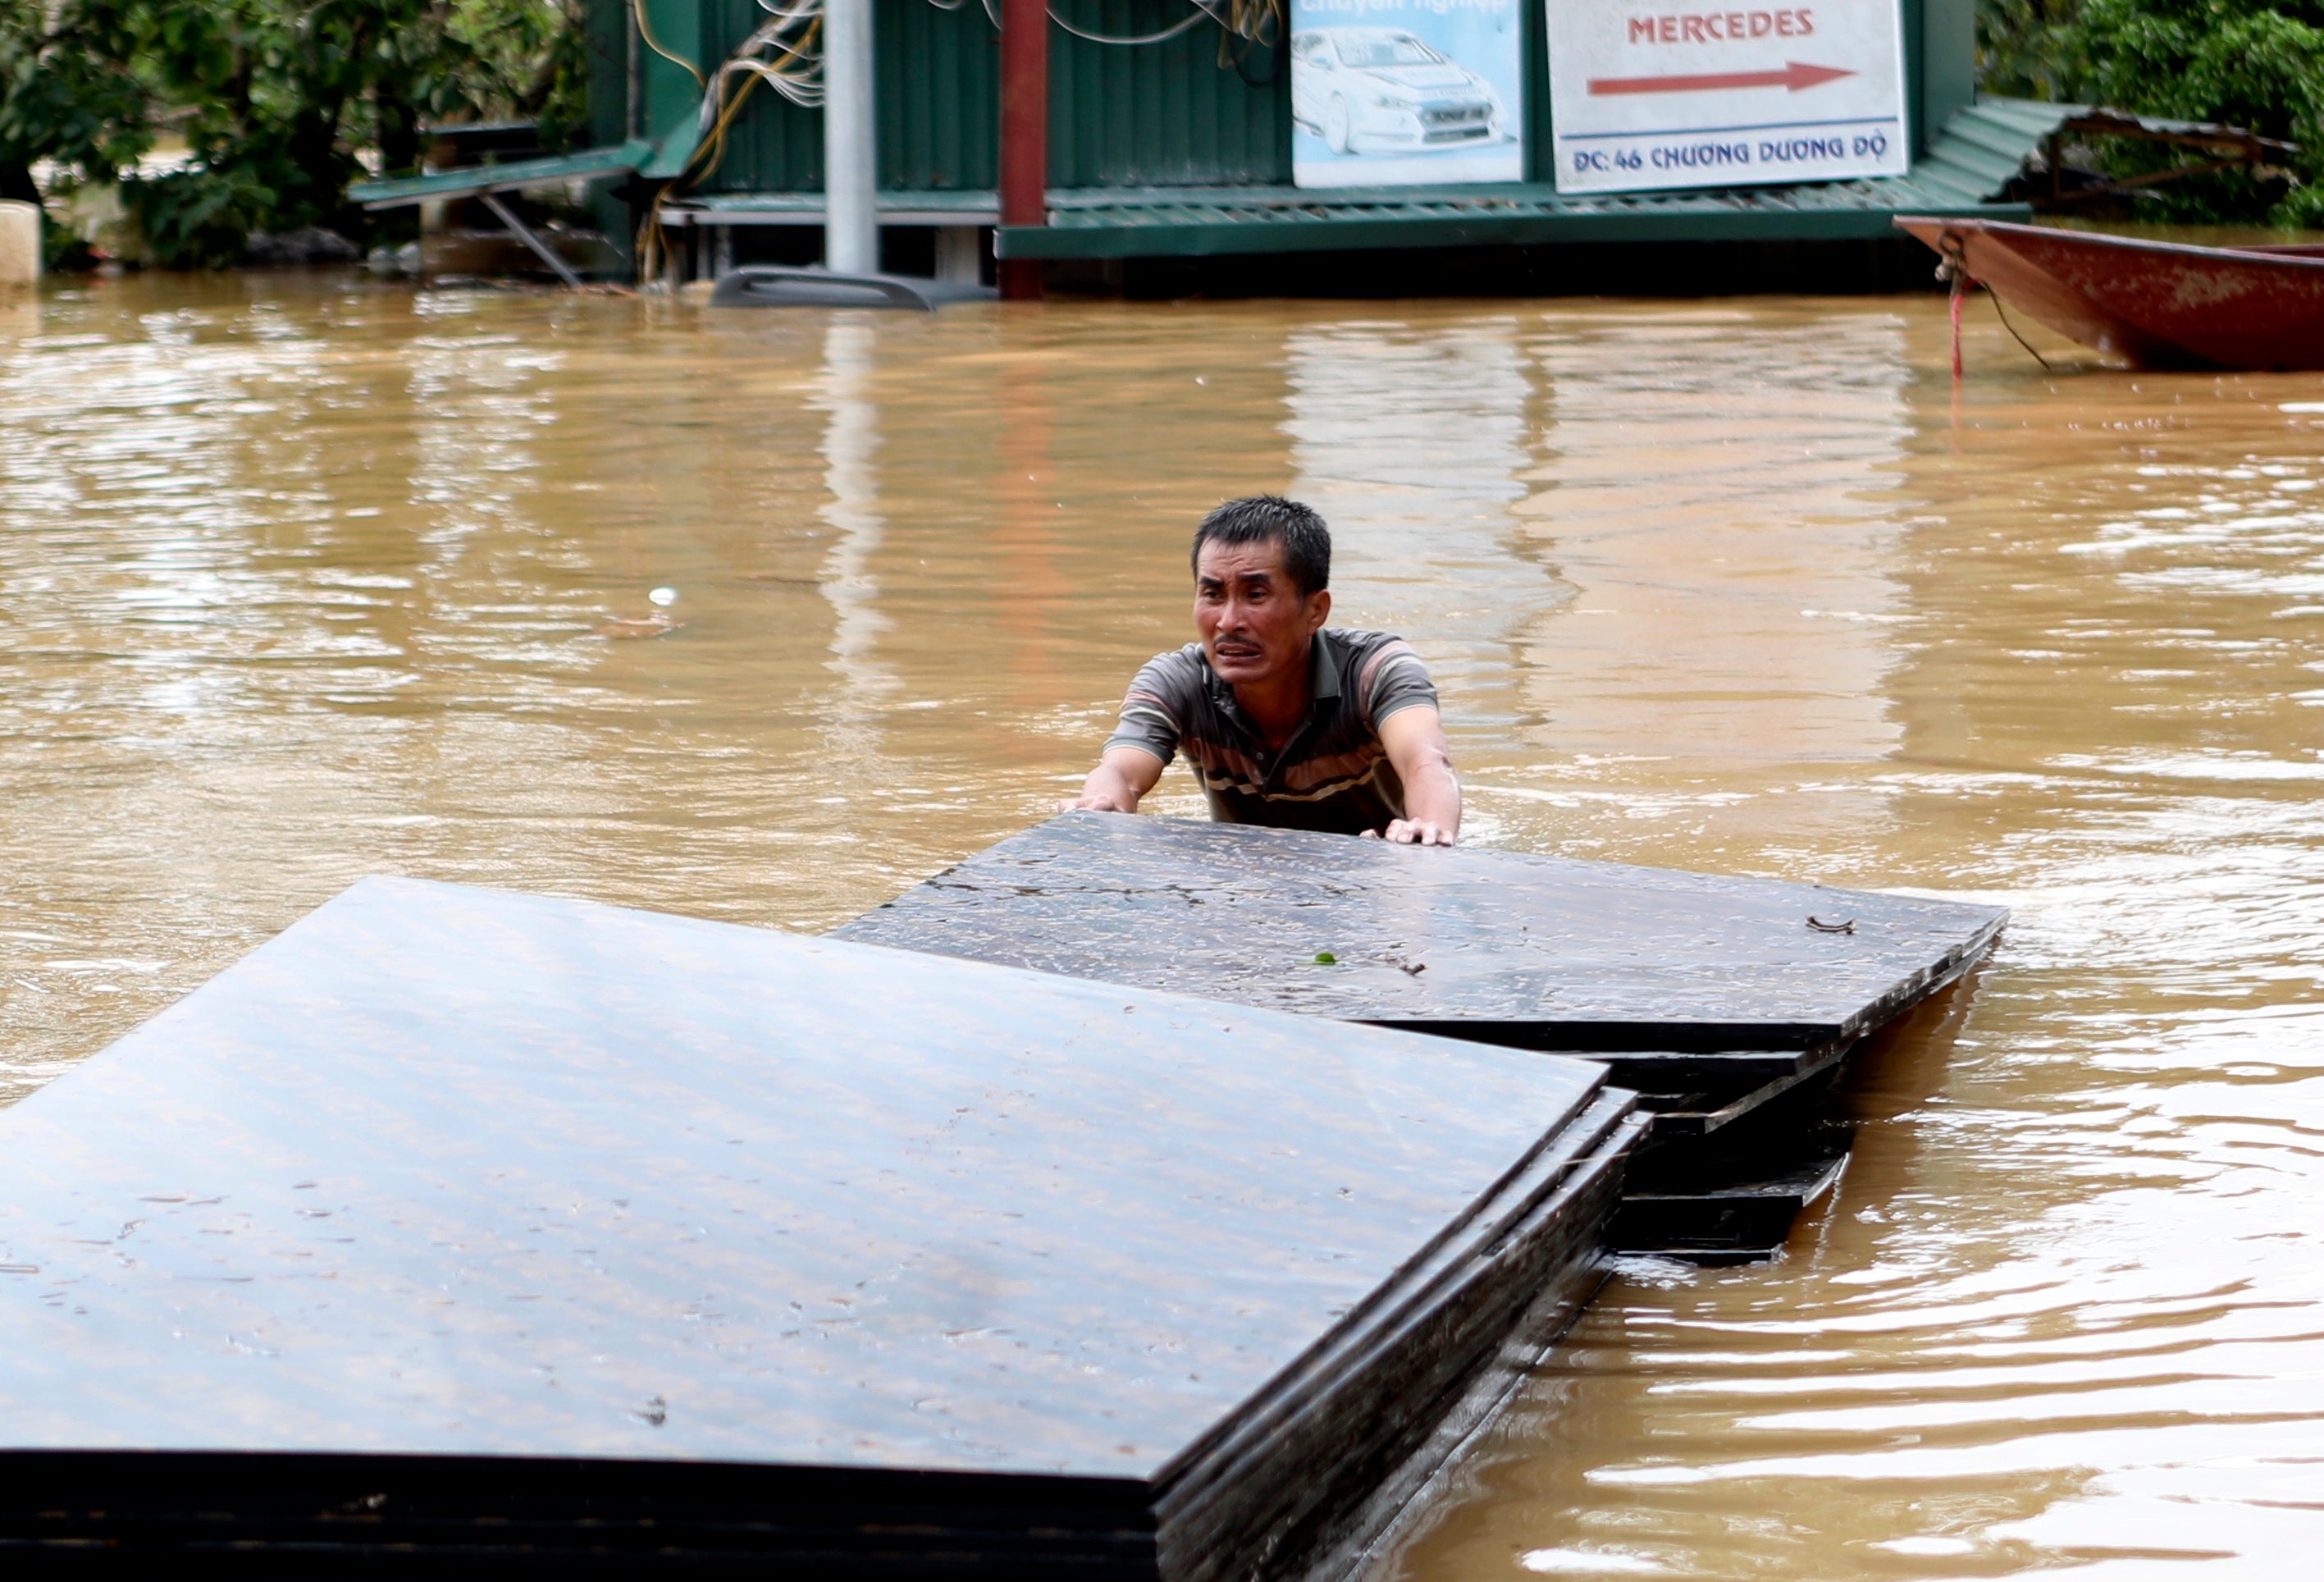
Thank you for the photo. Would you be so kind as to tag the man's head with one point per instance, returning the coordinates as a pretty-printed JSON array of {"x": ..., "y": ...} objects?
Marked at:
[{"x": 1262, "y": 576}]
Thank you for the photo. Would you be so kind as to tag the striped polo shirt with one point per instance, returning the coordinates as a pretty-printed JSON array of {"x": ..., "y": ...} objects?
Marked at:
[{"x": 1333, "y": 774}]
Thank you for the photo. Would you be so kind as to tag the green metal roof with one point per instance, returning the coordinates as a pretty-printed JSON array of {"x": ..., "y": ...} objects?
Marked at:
[
  {"x": 468, "y": 181},
  {"x": 1979, "y": 151},
  {"x": 1982, "y": 148},
  {"x": 1181, "y": 222},
  {"x": 895, "y": 207}
]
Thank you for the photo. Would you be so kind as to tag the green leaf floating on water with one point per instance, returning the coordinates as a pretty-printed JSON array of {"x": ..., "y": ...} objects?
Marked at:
[{"x": 1325, "y": 958}]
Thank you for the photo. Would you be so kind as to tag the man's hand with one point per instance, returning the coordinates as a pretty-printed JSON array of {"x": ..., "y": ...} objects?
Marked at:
[
  {"x": 1121, "y": 777},
  {"x": 1413, "y": 832},
  {"x": 1415, "y": 740}
]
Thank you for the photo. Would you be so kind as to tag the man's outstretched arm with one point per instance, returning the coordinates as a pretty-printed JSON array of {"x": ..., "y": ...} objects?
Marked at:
[
  {"x": 1416, "y": 744},
  {"x": 1120, "y": 778}
]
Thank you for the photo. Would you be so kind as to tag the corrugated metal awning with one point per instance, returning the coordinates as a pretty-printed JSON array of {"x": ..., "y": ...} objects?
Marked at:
[
  {"x": 1198, "y": 222},
  {"x": 806, "y": 208},
  {"x": 1980, "y": 151},
  {"x": 1984, "y": 147},
  {"x": 1994, "y": 142},
  {"x": 475, "y": 180}
]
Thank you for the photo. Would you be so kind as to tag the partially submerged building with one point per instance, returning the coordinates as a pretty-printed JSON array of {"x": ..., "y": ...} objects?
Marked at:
[{"x": 1311, "y": 144}]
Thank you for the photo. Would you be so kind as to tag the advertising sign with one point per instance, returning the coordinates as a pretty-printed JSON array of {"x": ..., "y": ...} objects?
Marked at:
[
  {"x": 1650, "y": 94},
  {"x": 1391, "y": 93}
]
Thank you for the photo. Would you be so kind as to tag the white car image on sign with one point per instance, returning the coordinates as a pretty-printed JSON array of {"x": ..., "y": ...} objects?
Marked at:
[
  {"x": 1657, "y": 94},
  {"x": 1396, "y": 92}
]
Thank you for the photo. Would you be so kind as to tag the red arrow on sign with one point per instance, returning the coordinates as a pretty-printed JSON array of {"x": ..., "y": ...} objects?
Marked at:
[{"x": 1795, "y": 75}]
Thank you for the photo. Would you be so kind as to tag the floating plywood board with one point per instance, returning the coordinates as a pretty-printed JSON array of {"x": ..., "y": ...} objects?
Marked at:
[
  {"x": 445, "y": 1186},
  {"x": 1506, "y": 947}
]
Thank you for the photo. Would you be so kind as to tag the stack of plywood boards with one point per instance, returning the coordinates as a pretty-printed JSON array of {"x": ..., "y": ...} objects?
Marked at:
[
  {"x": 1728, "y": 1004},
  {"x": 455, "y": 1229}
]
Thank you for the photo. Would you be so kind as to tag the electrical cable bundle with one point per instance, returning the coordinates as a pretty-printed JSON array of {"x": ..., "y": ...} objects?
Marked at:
[
  {"x": 795, "y": 72},
  {"x": 793, "y": 32},
  {"x": 1259, "y": 23}
]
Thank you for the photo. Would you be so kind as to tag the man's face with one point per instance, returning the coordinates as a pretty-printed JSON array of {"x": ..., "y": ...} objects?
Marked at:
[{"x": 1253, "y": 622}]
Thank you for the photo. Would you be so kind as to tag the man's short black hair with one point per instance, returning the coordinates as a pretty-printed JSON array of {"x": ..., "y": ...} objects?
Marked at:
[{"x": 1271, "y": 519}]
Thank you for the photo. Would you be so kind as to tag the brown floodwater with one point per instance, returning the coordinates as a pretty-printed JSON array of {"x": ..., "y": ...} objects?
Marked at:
[{"x": 302, "y": 578}]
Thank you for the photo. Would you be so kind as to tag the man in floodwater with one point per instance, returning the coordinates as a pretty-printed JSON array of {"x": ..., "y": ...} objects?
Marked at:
[{"x": 1285, "y": 722}]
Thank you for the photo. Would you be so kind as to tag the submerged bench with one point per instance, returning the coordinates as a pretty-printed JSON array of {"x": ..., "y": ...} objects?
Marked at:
[
  {"x": 461, "y": 1224},
  {"x": 1728, "y": 1004}
]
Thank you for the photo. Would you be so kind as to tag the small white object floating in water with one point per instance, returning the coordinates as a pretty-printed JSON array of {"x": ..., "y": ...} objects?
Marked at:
[{"x": 664, "y": 596}]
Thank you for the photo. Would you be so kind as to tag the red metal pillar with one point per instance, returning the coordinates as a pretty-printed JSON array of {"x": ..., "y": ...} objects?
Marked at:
[{"x": 1024, "y": 135}]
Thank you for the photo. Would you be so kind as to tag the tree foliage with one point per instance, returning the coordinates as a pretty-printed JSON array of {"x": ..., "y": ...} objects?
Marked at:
[
  {"x": 278, "y": 102},
  {"x": 2244, "y": 62}
]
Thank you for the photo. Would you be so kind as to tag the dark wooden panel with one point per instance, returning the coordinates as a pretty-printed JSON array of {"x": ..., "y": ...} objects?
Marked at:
[
  {"x": 140, "y": 1514},
  {"x": 445, "y": 1170},
  {"x": 1737, "y": 1221},
  {"x": 449, "y": 1178},
  {"x": 1502, "y": 947}
]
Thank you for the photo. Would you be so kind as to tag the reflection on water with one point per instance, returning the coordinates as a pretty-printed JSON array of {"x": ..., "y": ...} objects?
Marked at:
[
  {"x": 1719, "y": 481},
  {"x": 300, "y": 580},
  {"x": 850, "y": 444},
  {"x": 1414, "y": 441}
]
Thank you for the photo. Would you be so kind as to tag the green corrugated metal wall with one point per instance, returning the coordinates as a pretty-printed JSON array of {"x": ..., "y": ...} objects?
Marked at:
[
  {"x": 939, "y": 93},
  {"x": 1159, "y": 115},
  {"x": 939, "y": 97},
  {"x": 1165, "y": 115},
  {"x": 775, "y": 146},
  {"x": 1948, "y": 73},
  {"x": 1533, "y": 38},
  {"x": 608, "y": 43},
  {"x": 1156, "y": 115}
]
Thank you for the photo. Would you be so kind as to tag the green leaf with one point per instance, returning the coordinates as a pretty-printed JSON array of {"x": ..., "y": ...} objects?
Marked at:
[{"x": 280, "y": 102}]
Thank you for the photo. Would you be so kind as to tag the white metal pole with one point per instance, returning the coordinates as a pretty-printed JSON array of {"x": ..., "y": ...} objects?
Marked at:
[{"x": 850, "y": 153}]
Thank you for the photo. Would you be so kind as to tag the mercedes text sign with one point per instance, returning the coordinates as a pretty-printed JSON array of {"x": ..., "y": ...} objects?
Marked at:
[{"x": 1646, "y": 94}]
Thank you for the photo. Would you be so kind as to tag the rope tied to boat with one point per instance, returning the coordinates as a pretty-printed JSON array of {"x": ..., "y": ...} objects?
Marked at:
[
  {"x": 2003, "y": 313},
  {"x": 1952, "y": 268}
]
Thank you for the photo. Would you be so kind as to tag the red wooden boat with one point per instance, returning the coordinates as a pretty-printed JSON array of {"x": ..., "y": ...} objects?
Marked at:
[{"x": 2157, "y": 304}]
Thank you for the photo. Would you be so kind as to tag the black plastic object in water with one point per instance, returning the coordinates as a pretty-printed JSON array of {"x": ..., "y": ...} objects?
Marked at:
[{"x": 769, "y": 285}]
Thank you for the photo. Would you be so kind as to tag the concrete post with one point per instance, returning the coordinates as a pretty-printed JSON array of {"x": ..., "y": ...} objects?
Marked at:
[
  {"x": 851, "y": 145},
  {"x": 960, "y": 257},
  {"x": 20, "y": 244}
]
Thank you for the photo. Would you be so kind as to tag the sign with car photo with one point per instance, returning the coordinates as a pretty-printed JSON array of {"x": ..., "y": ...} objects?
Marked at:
[{"x": 1398, "y": 93}]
